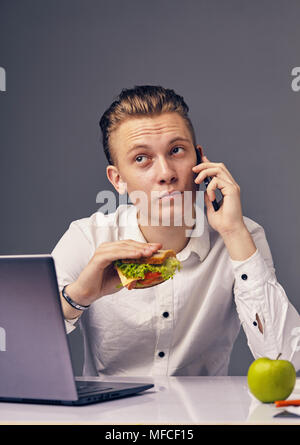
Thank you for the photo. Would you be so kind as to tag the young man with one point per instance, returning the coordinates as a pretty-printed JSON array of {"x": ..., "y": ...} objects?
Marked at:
[{"x": 187, "y": 325}]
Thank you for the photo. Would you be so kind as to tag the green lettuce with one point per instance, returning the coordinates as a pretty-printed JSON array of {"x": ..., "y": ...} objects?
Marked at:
[{"x": 138, "y": 271}]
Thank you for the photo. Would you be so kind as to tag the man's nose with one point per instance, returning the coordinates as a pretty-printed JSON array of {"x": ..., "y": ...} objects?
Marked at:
[{"x": 165, "y": 171}]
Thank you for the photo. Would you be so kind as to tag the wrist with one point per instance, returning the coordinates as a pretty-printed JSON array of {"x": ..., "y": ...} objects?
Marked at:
[
  {"x": 233, "y": 232},
  {"x": 77, "y": 294},
  {"x": 239, "y": 243}
]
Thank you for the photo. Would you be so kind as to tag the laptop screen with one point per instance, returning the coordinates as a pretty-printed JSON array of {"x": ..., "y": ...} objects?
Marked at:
[{"x": 35, "y": 361}]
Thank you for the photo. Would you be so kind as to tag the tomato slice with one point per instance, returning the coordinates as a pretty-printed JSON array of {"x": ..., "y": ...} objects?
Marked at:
[
  {"x": 150, "y": 278},
  {"x": 151, "y": 275}
]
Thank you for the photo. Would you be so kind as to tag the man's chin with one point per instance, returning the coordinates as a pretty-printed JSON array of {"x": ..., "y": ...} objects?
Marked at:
[
  {"x": 169, "y": 211},
  {"x": 172, "y": 217}
]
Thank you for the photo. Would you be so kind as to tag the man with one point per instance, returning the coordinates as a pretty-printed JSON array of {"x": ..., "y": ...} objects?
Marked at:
[{"x": 187, "y": 325}]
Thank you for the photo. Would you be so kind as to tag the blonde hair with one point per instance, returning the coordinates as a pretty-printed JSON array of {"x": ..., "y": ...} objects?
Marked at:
[{"x": 149, "y": 100}]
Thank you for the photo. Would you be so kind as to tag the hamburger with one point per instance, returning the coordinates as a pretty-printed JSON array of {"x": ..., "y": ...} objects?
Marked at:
[{"x": 139, "y": 273}]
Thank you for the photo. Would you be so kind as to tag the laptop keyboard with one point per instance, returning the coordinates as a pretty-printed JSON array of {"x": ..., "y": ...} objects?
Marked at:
[{"x": 90, "y": 387}]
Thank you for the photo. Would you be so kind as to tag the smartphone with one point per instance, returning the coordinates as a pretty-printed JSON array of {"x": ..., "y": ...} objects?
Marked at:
[{"x": 207, "y": 179}]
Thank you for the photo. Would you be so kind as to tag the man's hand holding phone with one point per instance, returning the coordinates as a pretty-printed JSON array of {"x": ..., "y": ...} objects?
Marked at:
[{"x": 229, "y": 217}]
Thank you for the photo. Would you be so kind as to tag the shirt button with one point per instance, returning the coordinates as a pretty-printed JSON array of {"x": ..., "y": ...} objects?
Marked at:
[
  {"x": 244, "y": 276},
  {"x": 161, "y": 354},
  {"x": 166, "y": 314}
]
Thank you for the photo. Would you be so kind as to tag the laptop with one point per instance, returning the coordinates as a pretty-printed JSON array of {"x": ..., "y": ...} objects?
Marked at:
[{"x": 35, "y": 357}]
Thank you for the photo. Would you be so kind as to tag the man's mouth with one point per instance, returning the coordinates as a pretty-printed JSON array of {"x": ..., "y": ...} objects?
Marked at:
[{"x": 169, "y": 195}]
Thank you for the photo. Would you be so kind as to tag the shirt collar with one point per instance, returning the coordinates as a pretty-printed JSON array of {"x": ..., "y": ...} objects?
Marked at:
[{"x": 199, "y": 242}]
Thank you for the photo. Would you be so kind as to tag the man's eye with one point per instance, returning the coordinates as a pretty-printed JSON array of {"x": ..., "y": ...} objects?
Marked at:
[
  {"x": 175, "y": 149},
  {"x": 138, "y": 158}
]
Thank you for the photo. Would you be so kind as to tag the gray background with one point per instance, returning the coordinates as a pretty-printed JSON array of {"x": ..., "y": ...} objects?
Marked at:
[{"x": 67, "y": 60}]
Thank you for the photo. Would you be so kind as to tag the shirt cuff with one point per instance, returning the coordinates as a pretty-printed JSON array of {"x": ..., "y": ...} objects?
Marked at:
[
  {"x": 69, "y": 324},
  {"x": 250, "y": 273}
]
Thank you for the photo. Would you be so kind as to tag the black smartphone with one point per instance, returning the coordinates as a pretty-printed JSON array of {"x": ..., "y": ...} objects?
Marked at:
[{"x": 206, "y": 180}]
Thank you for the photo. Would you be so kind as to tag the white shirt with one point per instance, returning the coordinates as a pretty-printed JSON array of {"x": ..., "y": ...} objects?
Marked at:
[{"x": 126, "y": 333}]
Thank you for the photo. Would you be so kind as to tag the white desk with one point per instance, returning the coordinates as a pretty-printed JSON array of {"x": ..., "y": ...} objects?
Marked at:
[{"x": 173, "y": 400}]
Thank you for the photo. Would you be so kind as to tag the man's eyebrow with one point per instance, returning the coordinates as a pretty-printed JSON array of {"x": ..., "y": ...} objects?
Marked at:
[{"x": 175, "y": 139}]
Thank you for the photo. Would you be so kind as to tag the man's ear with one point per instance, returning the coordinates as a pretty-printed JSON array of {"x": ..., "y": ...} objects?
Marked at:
[{"x": 114, "y": 177}]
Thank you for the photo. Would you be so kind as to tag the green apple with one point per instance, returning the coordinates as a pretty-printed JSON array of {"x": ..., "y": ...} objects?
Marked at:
[{"x": 271, "y": 380}]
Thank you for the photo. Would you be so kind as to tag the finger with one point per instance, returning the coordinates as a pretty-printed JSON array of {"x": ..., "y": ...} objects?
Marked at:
[
  {"x": 121, "y": 250},
  {"x": 132, "y": 254},
  {"x": 208, "y": 202},
  {"x": 145, "y": 250},
  {"x": 227, "y": 188},
  {"x": 220, "y": 165},
  {"x": 138, "y": 244},
  {"x": 213, "y": 171}
]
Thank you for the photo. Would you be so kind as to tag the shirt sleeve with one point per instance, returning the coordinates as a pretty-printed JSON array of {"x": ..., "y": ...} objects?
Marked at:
[
  {"x": 257, "y": 291},
  {"x": 71, "y": 254}
]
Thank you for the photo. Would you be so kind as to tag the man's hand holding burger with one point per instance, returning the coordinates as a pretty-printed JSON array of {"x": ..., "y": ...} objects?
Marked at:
[{"x": 100, "y": 277}]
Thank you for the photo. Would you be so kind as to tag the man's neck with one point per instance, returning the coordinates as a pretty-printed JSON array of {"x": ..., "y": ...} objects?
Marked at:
[{"x": 170, "y": 237}]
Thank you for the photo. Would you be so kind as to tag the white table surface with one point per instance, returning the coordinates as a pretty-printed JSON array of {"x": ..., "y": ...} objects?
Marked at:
[{"x": 173, "y": 400}]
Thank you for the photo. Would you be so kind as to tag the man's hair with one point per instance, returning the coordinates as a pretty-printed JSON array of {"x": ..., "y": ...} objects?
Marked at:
[{"x": 143, "y": 100}]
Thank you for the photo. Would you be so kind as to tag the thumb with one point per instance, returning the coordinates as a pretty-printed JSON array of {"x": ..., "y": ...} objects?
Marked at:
[{"x": 207, "y": 201}]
